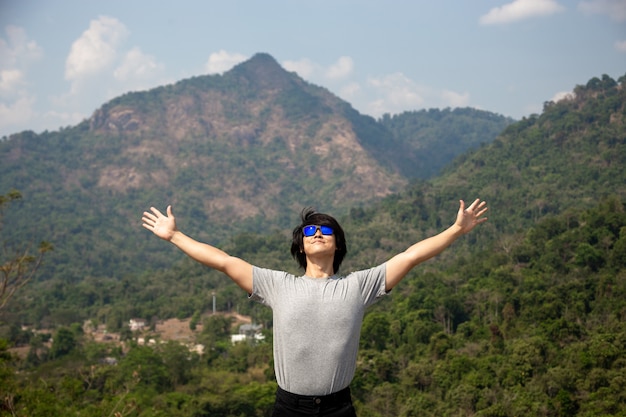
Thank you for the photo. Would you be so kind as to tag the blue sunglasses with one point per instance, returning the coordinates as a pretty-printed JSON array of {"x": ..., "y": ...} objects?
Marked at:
[{"x": 311, "y": 230}]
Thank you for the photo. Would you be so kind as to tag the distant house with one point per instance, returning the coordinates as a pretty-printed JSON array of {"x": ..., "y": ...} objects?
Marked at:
[
  {"x": 248, "y": 332},
  {"x": 198, "y": 348},
  {"x": 236, "y": 338},
  {"x": 142, "y": 342},
  {"x": 108, "y": 361},
  {"x": 136, "y": 324},
  {"x": 250, "y": 329}
]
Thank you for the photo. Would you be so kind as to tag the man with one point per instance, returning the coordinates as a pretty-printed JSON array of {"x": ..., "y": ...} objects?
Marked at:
[{"x": 318, "y": 316}]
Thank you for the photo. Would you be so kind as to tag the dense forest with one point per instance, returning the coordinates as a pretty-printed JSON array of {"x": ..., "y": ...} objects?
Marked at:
[
  {"x": 254, "y": 145},
  {"x": 522, "y": 317},
  {"x": 534, "y": 328}
]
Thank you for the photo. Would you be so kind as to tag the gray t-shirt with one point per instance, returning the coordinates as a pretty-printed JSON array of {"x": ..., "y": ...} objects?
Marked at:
[{"x": 317, "y": 325}]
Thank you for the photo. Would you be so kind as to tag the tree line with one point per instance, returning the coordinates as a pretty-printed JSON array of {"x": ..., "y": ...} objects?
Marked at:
[
  {"x": 532, "y": 327},
  {"x": 523, "y": 317}
]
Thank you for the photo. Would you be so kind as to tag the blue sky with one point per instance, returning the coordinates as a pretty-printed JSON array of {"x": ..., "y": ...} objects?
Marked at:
[{"x": 60, "y": 60}]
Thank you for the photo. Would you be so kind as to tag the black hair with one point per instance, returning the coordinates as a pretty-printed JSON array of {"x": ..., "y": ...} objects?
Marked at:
[{"x": 310, "y": 217}]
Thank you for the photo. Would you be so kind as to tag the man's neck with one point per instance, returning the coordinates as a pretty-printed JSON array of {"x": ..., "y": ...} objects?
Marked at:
[{"x": 319, "y": 270}]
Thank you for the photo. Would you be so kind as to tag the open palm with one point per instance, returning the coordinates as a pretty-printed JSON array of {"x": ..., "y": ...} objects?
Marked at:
[
  {"x": 468, "y": 218},
  {"x": 164, "y": 226}
]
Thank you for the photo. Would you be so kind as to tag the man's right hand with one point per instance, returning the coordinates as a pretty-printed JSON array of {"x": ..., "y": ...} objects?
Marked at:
[{"x": 161, "y": 225}]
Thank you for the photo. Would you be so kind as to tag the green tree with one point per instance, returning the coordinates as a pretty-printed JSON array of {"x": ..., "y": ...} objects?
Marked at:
[
  {"x": 63, "y": 343},
  {"x": 146, "y": 366},
  {"x": 17, "y": 265},
  {"x": 375, "y": 331},
  {"x": 7, "y": 378},
  {"x": 178, "y": 361},
  {"x": 618, "y": 256}
]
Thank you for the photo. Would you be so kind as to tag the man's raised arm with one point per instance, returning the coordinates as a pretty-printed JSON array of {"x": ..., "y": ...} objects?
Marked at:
[
  {"x": 164, "y": 226},
  {"x": 402, "y": 263}
]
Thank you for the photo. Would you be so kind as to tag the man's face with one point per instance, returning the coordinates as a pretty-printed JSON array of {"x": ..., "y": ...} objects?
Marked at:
[{"x": 321, "y": 242}]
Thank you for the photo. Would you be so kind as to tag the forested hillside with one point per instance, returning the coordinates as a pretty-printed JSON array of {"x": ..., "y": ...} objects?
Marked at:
[
  {"x": 230, "y": 152},
  {"x": 525, "y": 316},
  {"x": 570, "y": 157},
  {"x": 435, "y": 137}
]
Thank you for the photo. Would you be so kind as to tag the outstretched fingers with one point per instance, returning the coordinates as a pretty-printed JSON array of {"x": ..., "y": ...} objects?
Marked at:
[
  {"x": 477, "y": 207},
  {"x": 149, "y": 219},
  {"x": 473, "y": 213}
]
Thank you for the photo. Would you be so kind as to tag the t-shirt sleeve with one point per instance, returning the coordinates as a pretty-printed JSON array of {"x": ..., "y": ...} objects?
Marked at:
[
  {"x": 264, "y": 285},
  {"x": 372, "y": 283}
]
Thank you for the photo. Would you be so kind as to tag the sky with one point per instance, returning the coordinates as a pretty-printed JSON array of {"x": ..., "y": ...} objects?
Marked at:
[{"x": 60, "y": 60}]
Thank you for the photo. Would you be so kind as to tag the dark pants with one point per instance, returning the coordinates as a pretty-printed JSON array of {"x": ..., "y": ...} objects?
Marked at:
[{"x": 338, "y": 404}]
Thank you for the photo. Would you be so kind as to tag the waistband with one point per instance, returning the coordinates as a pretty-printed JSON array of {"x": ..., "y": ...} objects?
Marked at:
[{"x": 296, "y": 400}]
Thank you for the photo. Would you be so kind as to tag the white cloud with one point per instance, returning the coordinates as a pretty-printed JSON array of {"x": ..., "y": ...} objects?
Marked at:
[
  {"x": 620, "y": 46},
  {"x": 100, "y": 68},
  {"x": 562, "y": 95},
  {"x": 349, "y": 90},
  {"x": 398, "y": 90},
  {"x": 16, "y": 113},
  {"x": 136, "y": 66},
  {"x": 397, "y": 93},
  {"x": 519, "y": 10},
  {"x": 615, "y": 9},
  {"x": 17, "y": 50},
  {"x": 454, "y": 99},
  {"x": 394, "y": 93},
  {"x": 136, "y": 71},
  {"x": 341, "y": 69},
  {"x": 60, "y": 118},
  {"x": 96, "y": 49},
  {"x": 304, "y": 67},
  {"x": 17, "y": 55},
  {"x": 222, "y": 61},
  {"x": 10, "y": 81}
]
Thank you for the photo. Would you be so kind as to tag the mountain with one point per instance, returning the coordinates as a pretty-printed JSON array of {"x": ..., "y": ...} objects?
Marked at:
[
  {"x": 524, "y": 316},
  {"x": 242, "y": 151},
  {"x": 435, "y": 137},
  {"x": 570, "y": 157},
  {"x": 255, "y": 128}
]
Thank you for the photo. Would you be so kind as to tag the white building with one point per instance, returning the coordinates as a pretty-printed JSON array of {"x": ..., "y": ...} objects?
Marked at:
[
  {"x": 136, "y": 324},
  {"x": 248, "y": 332}
]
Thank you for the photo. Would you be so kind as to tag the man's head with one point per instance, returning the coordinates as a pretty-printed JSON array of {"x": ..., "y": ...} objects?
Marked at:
[{"x": 310, "y": 217}]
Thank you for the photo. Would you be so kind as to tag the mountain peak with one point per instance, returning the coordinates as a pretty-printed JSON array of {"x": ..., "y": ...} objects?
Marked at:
[
  {"x": 262, "y": 58},
  {"x": 263, "y": 71}
]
